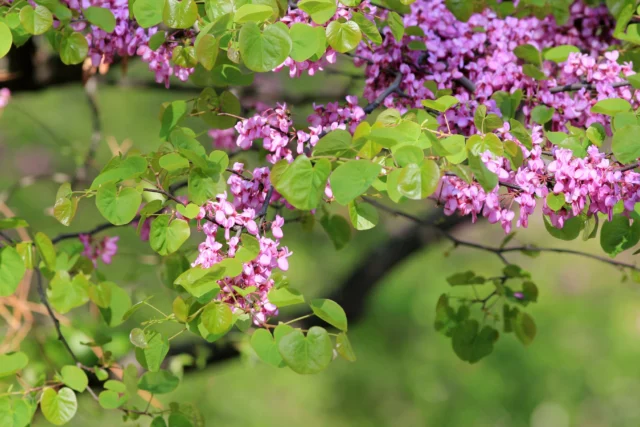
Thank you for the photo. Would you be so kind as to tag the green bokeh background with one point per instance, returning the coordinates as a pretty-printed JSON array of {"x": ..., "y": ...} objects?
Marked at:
[{"x": 582, "y": 369}]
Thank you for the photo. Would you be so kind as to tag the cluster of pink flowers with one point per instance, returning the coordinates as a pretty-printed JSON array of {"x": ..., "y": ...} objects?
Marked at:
[
  {"x": 458, "y": 50},
  {"x": 159, "y": 61},
  {"x": 256, "y": 276},
  {"x": 104, "y": 249},
  {"x": 275, "y": 127},
  {"x": 127, "y": 39},
  {"x": 574, "y": 107},
  {"x": 332, "y": 116},
  {"x": 249, "y": 193},
  {"x": 5, "y": 95},
  {"x": 589, "y": 185}
]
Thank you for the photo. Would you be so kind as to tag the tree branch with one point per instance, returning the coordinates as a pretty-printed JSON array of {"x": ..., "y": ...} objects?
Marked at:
[
  {"x": 54, "y": 319},
  {"x": 590, "y": 86},
  {"x": 498, "y": 251},
  {"x": 393, "y": 87}
]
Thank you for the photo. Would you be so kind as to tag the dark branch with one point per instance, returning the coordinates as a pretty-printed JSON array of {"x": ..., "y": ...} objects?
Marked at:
[
  {"x": 498, "y": 251},
  {"x": 56, "y": 322},
  {"x": 393, "y": 87},
  {"x": 97, "y": 229},
  {"x": 590, "y": 86}
]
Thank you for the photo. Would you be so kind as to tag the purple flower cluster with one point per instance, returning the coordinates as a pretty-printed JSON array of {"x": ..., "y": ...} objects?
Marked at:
[
  {"x": 589, "y": 185},
  {"x": 275, "y": 127},
  {"x": 481, "y": 50},
  {"x": 256, "y": 277},
  {"x": 104, "y": 249}
]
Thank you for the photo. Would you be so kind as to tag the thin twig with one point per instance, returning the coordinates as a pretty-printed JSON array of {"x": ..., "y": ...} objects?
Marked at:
[
  {"x": 90, "y": 89},
  {"x": 56, "y": 322},
  {"x": 499, "y": 252}
]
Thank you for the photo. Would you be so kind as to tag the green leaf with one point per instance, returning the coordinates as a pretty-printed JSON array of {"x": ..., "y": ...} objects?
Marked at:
[
  {"x": 35, "y": 21},
  {"x": 570, "y": 230},
  {"x": 555, "y": 201},
  {"x": 160, "y": 382},
  {"x": 199, "y": 281},
  {"x": 15, "y": 412},
  {"x": 252, "y": 13},
  {"x": 625, "y": 144},
  {"x": 363, "y": 216},
  {"x": 284, "y": 297},
  {"x": 528, "y": 53},
  {"x": 171, "y": 116},
  {"x": 101, "y": 17},
  {"x": 180, "y": 13},
  {"x": 441, "y": 104},
  {"x": 306, "y": 355},
  {"x": 58, "y": 408},
  {"x": 419, "y": 181},
  {"x": 166, "y": 238},
  {"x": 6, "y": 38},
  {"x": 520, "y": 132},
  {"x": 119, "y": 304},
  {"x": 524, "y": 327},
  {"x": 157, "y": 349},
  {"x": 119, "y": 208},
  {"x": 46, "y": 250},
  {"x": 190, "y": 211},
  {"x": 343, "y": 36},
  {"x": 465, "y": 278},
  {"x": 148, "y": 13},
  {"x": 611, "y": 106},
  {"x": 12, "y": 271},
  {"x": 620, "y": 234},
  {"x": 329, "y": 311},
  {"x": 203, "y": 186},
  {"x": 75, "y": 378},
  {"x": 408, "y": 154},
  {"x": 110, "y": 399},
  {"x": 118, "y": 170},
  {"x": 560, "y": 54},
  {"x": 207, "y": 51},
  {"x": 11, "y": 363},
  {"x": 307, "y": 41},
  {"x": 301, "y": 183},
  {"x": 461, "y": 9},
  {"x": 338, "y": 230},
  {"x": 319, "y": 10},
  {"x": 173, "y": 162},
  {"x": 216, "y": 318},
  {"x": 73, "y": 48},
  {"x": 542, "y": 114},
  {"x": 343, "y": 346},
  {"x": 67, "y": 294},
  {"x": 266, "y": 348},
  {"x": 487, "y": 179},
  {"x": 264, "y": 51},
  {"x": 353, "y": 178},
  {"x": 533, "y": 72},
  {"x": 472, "y": 344},
  {"x": 13, "y": 222},
  {"x": 138, "y": 338},
  {"x": 396, "y": 25},
  {"x": 65, "y": 209},
  {"x": 367, "y": 27},
  {"x": 334, "y": 142}
]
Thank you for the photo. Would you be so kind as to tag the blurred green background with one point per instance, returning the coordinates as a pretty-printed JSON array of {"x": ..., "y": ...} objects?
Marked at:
[{"x": 582, "y": 369}]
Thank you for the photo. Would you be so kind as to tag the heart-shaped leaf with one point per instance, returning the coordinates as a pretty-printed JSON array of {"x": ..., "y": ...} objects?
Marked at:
[
  {"x": 306, "y": 355},
  {"x": 166, "y": 238},
  {"x": 118, "y": 207},
  {"x": 264, "y": 51}
]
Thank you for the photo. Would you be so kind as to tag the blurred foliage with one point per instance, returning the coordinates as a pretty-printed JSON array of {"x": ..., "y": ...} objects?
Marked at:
[{"x": 580, "y": 371}]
